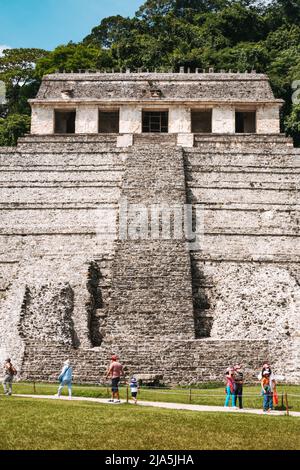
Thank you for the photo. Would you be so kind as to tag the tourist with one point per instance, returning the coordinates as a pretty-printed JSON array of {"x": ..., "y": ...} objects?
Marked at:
[
  {"x": 134, "y": 389},
  {"x": 9, "y": 372},
  {"x": 238, "y": 385},
  {"x": 267, "y": 392},
  {"x": 115, "y": 371},
  {"x": 266, "y": 367},
  {"x": 229, "y": 387},
  {"x": 65, "y": 378}
]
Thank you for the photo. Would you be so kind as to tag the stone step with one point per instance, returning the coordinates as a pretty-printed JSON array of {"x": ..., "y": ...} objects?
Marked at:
[
  {"x": 177, "y": 361},
  {"x": 67, "y": 138},
  {"x": 241, "y": 162},
  {"x": 155, "y": 139},
  {"x": 236, "y": 141}
]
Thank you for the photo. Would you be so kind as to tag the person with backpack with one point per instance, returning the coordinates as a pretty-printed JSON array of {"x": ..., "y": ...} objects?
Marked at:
[
  {"x": 9, "y": 372},
  {"x": 65, "y": 378}
]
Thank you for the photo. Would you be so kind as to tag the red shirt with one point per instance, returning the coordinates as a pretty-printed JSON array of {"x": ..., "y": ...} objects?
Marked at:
[
  {"x": 230, "y": 382},
  {"x": 116, "y": 370}
]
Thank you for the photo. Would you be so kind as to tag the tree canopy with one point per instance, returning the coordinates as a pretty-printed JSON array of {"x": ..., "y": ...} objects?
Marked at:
[{"x": 225, "y": 34}]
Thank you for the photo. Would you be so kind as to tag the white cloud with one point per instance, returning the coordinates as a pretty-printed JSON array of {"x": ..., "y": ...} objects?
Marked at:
[{"x": 2, "y": 48}]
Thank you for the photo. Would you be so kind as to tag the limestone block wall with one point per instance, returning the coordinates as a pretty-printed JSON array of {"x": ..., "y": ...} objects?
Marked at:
[
  {"x": 50, "y": 195},
  {"x": 268, "y": 120},
  {"x": 185, "y": 362},
  {"x": 246, "y": 276},
  {"x": 165, "y": 310},
  {"x": 47, "y": 312}
]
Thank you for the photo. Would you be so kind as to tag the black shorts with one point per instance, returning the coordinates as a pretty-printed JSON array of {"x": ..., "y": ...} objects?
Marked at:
[
  {"x": 115, "y": 384},
  {"x": 134, "y": 394}
]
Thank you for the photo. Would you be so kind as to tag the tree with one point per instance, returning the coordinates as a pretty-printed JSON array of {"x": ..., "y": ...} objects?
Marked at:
[
  {"x": 111, "y": 31},
  {"x": 13, "y": 127},
  {"x": 74, "y": 57},
  {"x": 181, "y": 8},
  {"x": 17, "y": 70},
  {"x": 226, "y": 34},
  {"x": 292, "y": 124}
]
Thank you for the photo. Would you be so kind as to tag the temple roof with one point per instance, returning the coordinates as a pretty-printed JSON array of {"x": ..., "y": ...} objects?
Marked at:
[{"x": 165, "y": 87}]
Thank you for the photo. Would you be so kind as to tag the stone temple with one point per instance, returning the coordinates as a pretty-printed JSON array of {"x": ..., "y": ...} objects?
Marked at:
[{"x": 71, "y": 287}]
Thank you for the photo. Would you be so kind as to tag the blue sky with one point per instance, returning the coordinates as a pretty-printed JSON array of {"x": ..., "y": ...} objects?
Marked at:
[{"x": 48, "y": 23}]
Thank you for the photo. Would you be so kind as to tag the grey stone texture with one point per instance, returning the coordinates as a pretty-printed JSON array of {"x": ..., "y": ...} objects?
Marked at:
[
  {"x": 132, "y": 93},
  {"x": 66, "y": 291},
  {"x": 183, "y": 315},
  {"x": 135, "y": 86}
]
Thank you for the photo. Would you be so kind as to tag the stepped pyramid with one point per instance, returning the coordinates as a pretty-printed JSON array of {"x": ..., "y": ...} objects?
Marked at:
[{"x": 167, "y": 307}]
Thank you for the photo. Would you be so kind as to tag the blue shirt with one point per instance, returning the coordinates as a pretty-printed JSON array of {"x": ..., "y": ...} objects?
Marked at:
[{"x": 66, "y": 374}]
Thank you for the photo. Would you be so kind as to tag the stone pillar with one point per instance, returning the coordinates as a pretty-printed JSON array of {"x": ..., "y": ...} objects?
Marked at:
[
  {"x": 125, "y": 140},
  {"x": 223, "y": 120},
  {"x": 185, "y": 140},
  {"x": 42, "y": 120},
  {"x": 87, "y": 120},
  {"x": 130, "y": 119},
  {"x": 267, "y": 119},
  {"x": 180, "y": 120}
]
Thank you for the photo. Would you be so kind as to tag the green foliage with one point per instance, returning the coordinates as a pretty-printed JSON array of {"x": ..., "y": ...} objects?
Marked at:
[
  {"x": 292, "y": 124},
  {"x": 11, "y": 128},
  {"x": 206, "y": 386},
  {"x": 74, "y": 57},
  {"x": 227, "y": 34},
  {"x": 31, "y": 424},
  {"x": 17, "y": 70},
  {"x": 166, "y": 34}
]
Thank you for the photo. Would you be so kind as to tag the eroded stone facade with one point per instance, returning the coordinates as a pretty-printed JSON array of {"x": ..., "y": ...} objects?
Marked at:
[{"x": 165, "y": 309}]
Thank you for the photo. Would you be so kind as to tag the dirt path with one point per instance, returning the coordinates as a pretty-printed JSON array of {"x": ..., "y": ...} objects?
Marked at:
[{"x": 169, "y": 406}]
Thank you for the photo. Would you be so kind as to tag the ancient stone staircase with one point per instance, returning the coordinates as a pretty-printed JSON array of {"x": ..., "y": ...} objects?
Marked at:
[
  {"x": 151, "y": 279},
  {"x": 245, "y": 274}
]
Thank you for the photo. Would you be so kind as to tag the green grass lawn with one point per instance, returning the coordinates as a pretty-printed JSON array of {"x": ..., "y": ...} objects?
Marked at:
[
  {"x": 34, "y": 424},
  {"x": 211, "y": 396}
]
